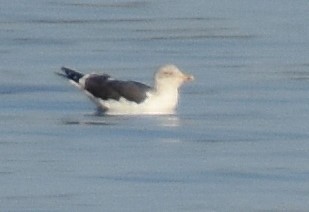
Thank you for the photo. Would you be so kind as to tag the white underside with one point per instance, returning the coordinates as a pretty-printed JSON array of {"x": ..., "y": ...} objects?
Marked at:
[{"x": 155, "y": 104}]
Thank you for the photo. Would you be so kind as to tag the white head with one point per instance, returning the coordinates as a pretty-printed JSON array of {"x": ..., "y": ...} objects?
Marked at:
[{"x": 169, "y": 76}]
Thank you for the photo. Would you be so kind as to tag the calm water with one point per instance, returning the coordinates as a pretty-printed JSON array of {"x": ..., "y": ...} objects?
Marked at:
[{"x": 239, "y": 141}]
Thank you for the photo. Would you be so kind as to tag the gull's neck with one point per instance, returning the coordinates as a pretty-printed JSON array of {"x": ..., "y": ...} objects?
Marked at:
[
  {"x": 166, "y": 94},
  {"x": 165, "y": 87}
]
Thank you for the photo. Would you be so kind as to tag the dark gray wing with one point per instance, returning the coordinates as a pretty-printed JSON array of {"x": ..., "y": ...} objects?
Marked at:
[{"x": 102, "y": 86}]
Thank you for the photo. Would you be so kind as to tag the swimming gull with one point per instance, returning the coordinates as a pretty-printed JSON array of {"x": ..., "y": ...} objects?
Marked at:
[{"x": 130, "y": 97}]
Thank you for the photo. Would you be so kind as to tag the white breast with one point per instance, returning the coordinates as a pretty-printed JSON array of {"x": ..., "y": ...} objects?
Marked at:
[{"x": 156, "y": 103}]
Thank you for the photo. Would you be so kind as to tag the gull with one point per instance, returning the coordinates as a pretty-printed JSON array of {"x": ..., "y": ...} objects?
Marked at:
[{"x": 119, "y": 97}]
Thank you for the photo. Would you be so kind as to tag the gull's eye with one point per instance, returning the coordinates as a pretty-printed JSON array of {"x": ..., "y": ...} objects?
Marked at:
[{"x": 167, "y": 73}]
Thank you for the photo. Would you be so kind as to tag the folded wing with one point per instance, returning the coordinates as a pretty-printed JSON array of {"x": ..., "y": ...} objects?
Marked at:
[{"x": 104, "y": 87}]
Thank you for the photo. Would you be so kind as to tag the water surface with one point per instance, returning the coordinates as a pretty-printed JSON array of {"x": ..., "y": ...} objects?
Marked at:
[{"x": 239, "y": 140}]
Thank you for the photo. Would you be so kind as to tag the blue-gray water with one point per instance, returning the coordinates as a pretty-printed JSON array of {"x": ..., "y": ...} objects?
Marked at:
[{"x": 239, "y": 141}]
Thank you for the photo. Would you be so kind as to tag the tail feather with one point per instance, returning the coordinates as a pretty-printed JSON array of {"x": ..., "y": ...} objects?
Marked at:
[{"x": 71, "y": 74}]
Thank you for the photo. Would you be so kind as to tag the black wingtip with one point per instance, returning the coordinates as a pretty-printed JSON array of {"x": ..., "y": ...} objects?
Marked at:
[
  {"x": 61, "y": 74},
  {"x": 66, "y": 69},
  {"x": 70, "y": 74}
]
